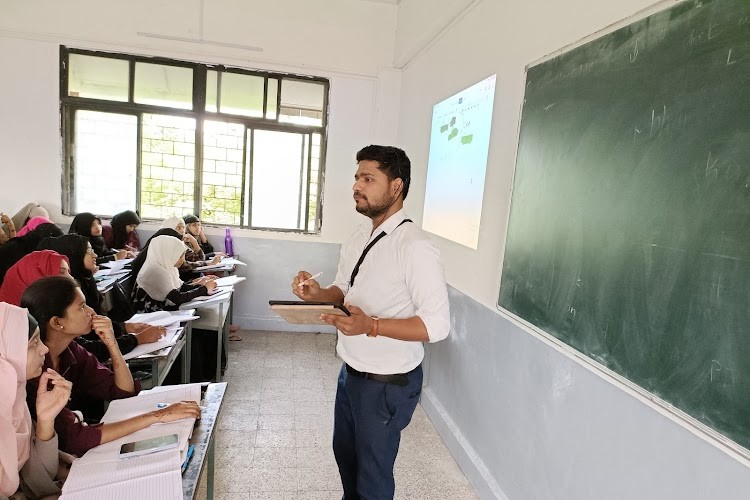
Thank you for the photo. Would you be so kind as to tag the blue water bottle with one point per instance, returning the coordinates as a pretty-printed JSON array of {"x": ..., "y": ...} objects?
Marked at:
[{"x": 228, "y": 249}]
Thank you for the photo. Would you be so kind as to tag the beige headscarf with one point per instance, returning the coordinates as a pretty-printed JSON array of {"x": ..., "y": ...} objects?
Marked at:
[
  {"x": 15, "y": 420},
  {"x": 158, "y": 276},
  {"x": 171, "y": 223}
]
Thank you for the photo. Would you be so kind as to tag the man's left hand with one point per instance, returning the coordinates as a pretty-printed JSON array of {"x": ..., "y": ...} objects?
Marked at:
[{"x": 357, "y": 324}]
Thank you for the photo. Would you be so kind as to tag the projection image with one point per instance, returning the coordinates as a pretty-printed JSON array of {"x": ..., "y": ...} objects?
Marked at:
[{"x": 459, "y": 142}]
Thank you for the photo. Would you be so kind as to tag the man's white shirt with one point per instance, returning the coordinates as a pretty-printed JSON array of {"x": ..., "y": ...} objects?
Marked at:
[{"x": 401, "y": 277}]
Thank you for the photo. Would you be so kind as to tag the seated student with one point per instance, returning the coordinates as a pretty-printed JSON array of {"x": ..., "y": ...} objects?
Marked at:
[
  {"x": 60, "y": 307},
  {"x": 158, "y": 286},
  {"x": 140, "y": 259},
  {"x": 194, "y": 256},
  {"x": 36, "y": 265},
  {"x": 18, "y": 247},
  {"x": 82, "y": 260},
  {"x": 28, "y": 455},
  {"x": 121, "y": 233},
  {"x": 7, "y": 229},
  {"x": 195, "y": 229},
  {"x": 29, "y": 211},
  {"x": 89, "y": 225},
  {"x": 33, "y": 224}
]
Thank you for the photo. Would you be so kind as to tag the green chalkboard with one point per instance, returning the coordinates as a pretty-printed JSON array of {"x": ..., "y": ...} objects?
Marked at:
[{"x": 629, "y": 231}]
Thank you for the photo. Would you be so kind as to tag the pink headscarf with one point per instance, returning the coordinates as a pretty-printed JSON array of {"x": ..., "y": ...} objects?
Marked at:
[
  {"x": 15, "y": 420},
  {"x": 32, "y": 267},
  {"x": 33, "y": 224}
]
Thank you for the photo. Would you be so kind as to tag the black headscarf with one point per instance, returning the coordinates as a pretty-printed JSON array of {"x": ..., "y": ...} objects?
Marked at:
[
  {"x": 82, "y": 225},
  {"x": 137, "y": 264},
  {"x": 33, "y": 324},
  {"x": 16, "y": 248},
  {"x": 118, "y": 224},
  {"x": 74, "y": 247}
]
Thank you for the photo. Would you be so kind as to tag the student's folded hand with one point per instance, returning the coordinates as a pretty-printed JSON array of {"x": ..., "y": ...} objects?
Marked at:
[{"x": 102, "y": 325}]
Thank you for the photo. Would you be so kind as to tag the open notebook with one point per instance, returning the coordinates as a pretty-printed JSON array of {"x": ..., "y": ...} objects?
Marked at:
[{"x": 101, "y": 474}]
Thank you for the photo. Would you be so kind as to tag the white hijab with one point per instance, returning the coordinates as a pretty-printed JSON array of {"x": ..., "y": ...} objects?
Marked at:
[
  {"x": 158, "y": 276},
  {"x": 15, "y": 421},
  {"x": 172, "y": 222}
]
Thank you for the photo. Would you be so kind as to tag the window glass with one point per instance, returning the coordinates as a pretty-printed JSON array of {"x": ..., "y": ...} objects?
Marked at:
[
  {"x": 241, "y": 94},
  {"x": 114, "y": 137},
  {"x": 167, "y": 166},
  {"x": 221, "y": 190},
  {"x": 301, "y": 102},
  {"x": 98, "y": 77},
  {"x": 277, "y": 172},
  {"x": 163, "y": 85},
  {"x": 212, "y": 78}
]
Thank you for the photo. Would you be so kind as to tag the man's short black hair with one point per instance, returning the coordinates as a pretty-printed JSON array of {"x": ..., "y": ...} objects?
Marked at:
[{"x": 393, "y": 162}]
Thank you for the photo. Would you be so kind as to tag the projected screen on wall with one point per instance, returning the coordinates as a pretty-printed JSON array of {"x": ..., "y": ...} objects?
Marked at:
[{"x": 459, "y": 142}]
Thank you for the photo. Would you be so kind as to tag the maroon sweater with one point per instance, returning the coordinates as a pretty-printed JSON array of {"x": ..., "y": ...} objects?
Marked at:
[{"x": 90, "y": 378}]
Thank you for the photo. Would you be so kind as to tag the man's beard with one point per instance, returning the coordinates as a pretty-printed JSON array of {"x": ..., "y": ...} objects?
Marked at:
[{"x": 373, "y": 211}]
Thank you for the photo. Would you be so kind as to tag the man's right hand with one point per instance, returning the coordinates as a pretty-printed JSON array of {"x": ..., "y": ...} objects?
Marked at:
[{"x": 309, "y": 289}]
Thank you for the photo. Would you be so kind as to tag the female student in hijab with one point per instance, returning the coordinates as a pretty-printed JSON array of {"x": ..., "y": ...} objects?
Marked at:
[
  {"x": 121, "y": 233},
  {"x": 82, "y": 266},
  {"x": 28, "y": 456},
  {"x": 158, "y": 286},
  {"x": 60, "y": 307},
  {"x": 82, "y": 261},
  {"x": 32, "y": 267},
  {"x": 194, "y": 257},
  {"x": 195, "y": 229},
  {"x": 18, "y": 247},
  {"x": 140, "y": 259},
  {"x": 89, "y": 225}
]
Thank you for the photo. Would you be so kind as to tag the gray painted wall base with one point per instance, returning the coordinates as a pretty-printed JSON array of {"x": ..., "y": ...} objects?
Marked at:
[
  {"x": 527, "y": 421},
  {"x": 466, "y": 457}
]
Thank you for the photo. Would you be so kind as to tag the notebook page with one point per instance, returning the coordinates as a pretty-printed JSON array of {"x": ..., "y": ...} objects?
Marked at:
[
  {"x": 85, "y": 475},
  {"x": 164, "y": 486}
]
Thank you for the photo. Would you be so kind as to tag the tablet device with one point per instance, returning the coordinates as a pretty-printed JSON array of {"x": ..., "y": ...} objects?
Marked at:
[
  {"x": 306, "y": 313},
  {"x": 146, "y": 446}
]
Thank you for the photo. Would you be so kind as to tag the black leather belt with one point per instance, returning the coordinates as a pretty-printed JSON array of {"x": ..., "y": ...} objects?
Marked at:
[{"x": 396, "y": 379}]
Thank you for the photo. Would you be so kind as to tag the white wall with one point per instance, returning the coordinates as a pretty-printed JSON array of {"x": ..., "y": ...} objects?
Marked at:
[
  {"x": 525, "y": 418},
  {"x": 349, "y": 41}
]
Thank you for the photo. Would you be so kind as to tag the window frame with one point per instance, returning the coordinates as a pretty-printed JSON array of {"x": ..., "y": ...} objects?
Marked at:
[{"x": 70, "y": 105}]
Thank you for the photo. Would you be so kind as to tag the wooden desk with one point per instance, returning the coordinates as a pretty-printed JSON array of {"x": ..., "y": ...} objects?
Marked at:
[{"x": 203, "y": 439}]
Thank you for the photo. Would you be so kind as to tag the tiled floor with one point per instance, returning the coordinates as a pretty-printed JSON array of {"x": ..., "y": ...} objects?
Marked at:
[{"x": 275, "y": 428}]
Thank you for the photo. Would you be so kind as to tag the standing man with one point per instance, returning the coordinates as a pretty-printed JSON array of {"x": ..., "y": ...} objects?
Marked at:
[{"x": 391, "y": 277}]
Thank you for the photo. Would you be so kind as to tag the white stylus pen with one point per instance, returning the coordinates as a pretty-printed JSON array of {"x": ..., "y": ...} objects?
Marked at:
[{"x": 304, "y": 282}]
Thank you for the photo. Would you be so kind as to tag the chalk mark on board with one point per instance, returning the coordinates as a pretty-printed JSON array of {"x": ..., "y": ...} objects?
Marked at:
[
  {"x": 729, "y": 56},
  {"x": 710, "y": 166},
  {"x": 634, "y": 54},
  {"x": 715, "y": 367},
  {"x": 546, "y": 108}
]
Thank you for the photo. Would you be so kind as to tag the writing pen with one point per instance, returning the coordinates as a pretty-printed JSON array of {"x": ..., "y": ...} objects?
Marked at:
[{"x": 304, "y": 282}]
